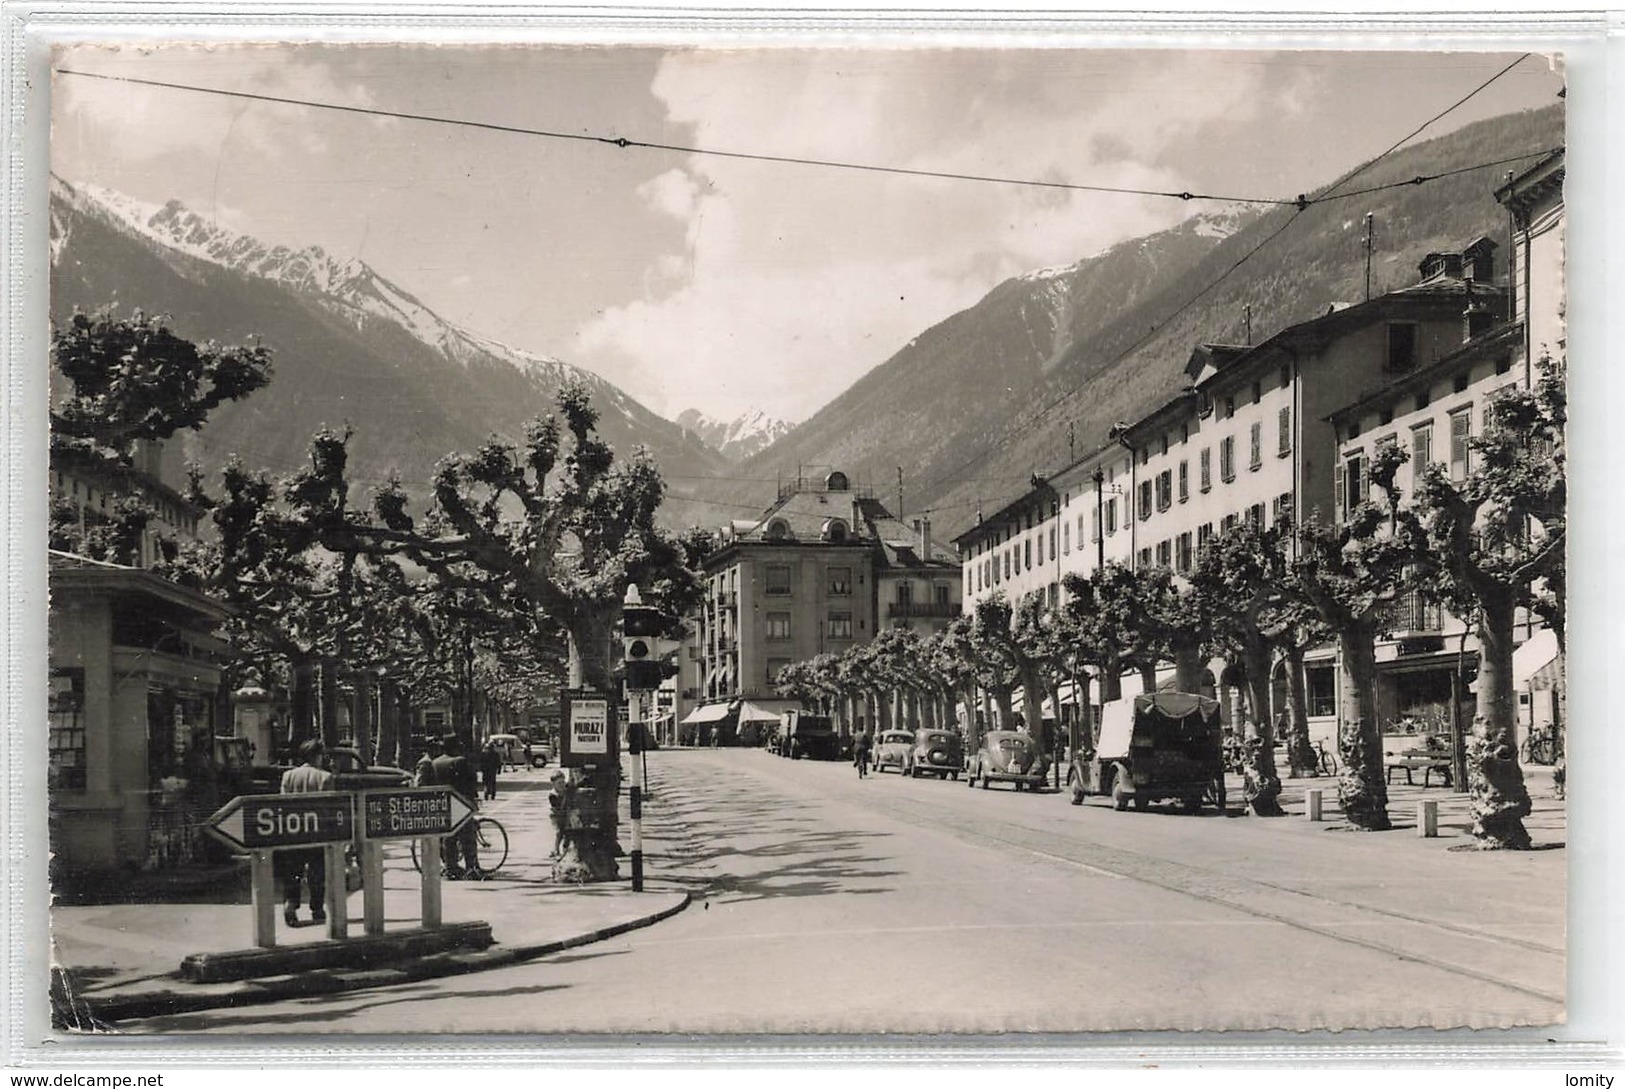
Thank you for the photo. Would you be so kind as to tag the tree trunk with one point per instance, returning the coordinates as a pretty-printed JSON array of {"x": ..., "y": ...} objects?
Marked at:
[
  {"x": 1498, "y": 796},
  {"x": 363, "y": 716},
  {"x": 1032, "y": 699},
  {"x": 1148, "y": 677},
  {"x": 391, "y": 738},
  {"x": 592, "y": 814},
  {"x": 1111, "y": 681},
  {"x": 1304, "y": 759},
  {"x": 329, "y": 702},
  {"x": 1262, "y": 785},
  {"x": 1007, "y": 708},
  {"x": 1360, "y": 787},
  {"x": 1188, "y": 668},
  {"x": 302, "y": 706}
]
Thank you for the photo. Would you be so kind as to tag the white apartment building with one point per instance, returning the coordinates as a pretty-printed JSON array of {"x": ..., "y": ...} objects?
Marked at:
[{"x": 1434, "y": 413}]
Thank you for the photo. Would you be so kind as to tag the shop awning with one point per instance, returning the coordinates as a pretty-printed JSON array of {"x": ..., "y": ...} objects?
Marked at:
[
  {"x": 750, "y": 712},
  {"x": 1535, "y": 653},
  {"x": 712, "y": 712}
]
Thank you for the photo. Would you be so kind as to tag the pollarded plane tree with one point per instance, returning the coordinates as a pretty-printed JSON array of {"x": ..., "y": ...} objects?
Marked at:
[
  {"x": 1110, "y": 611},
  {"x": 566, "y": 529},
  {"x": 987, "y": 646},
  {"x": 1348, "y": 573},
  {"x": 954, "y": 678},
  {"x": 1242, "y": 579},
  {"x": 126, "y": 381},
  {"x": 900, "y": 656},
  {"x": 1040, "y": 648},
  {"x": 1488, "y": 543}
]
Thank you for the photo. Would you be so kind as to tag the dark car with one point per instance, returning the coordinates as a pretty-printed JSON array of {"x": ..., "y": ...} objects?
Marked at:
[
  {"x": 936, "y": 752},
  {"x": 804, "y": 735},
  {"x": 1008, "y": 756},
  {"x": 349, "y": 771}
]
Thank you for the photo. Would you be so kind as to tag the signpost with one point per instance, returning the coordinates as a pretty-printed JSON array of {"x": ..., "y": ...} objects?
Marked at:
[
  {"x": 422, "y": 813},
  {"x": 255, "y": 822},
  {"x": 262, "y": 824},
  {"x": 265, "y": 823}
]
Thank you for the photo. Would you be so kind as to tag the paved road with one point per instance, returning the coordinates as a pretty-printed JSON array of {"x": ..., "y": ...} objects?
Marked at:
[{"x": 828, "y": 904}]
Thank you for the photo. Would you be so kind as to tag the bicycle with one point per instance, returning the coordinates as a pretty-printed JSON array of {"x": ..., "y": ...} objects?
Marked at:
[
  {"x": 1541, "y": 748},
  {"x": 490, "y": 848},
  {"x": 1325, "y": 760}
]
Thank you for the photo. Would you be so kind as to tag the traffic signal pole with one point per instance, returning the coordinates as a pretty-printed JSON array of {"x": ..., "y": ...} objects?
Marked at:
[
  {"x": 640, "y": 625},
  {"x": 634, "y": 749}
]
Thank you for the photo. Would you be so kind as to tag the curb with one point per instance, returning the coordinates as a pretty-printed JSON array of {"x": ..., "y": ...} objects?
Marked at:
[{"x": 83, "y": 1013}]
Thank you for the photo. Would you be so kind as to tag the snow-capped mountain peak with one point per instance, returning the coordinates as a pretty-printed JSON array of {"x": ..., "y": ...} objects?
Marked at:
[
  {"x": 350, "y": 282},
  {"x": 739, "y": 438}
]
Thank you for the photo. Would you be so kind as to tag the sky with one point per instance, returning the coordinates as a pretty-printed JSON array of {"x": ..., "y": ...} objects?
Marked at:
[{"x": 726, "y": 284}]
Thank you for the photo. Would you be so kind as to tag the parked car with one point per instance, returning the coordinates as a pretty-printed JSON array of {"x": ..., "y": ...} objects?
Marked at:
[
  {"x": 1154, "y": 747},
  {"x": 892, "y": 750},
  {"x": 1008, "y": 756},
  {"x": 345, "y": 762},
  {"x": 936, "y": 752}
]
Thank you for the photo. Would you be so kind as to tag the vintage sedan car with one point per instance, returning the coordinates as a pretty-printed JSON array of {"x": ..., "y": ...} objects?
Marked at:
[
  {"x": 892, "y": 750},
  {"x": 936, "y": 752},
  {"x": 1007, "y": 756},
  {"x": 350, "y": 772}
]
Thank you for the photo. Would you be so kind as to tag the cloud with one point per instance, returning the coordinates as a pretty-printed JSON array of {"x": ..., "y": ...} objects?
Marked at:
[
  {"x": 797, "y": 279},
  {"x": 137, "y": 125}
]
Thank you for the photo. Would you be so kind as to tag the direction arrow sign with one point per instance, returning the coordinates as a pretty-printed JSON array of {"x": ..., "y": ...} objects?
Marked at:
[
  {"x": 413, "y": 811},
  {"x": 260, "y": 821}
]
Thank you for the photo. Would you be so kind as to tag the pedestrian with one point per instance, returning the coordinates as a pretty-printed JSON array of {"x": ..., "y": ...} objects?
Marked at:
[
  {"x": 860, "y": 754},
  {"x": 527, "y": 753},
  {"x": 451, "y": 768},
  {"x": 558, "y": 803},
  {"x": 423, "y": 773},
  {"x": 305, "y": 865},
  {"x": 490, "y": 765}
]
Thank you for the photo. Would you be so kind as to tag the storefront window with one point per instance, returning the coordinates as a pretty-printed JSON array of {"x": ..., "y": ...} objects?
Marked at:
[
  {"x": 1322, "y": 684},
  {"x": 66, "y": 711}
]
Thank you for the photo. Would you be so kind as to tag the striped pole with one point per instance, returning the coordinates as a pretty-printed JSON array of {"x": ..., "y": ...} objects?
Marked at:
[{"x": 634, "y": 748}]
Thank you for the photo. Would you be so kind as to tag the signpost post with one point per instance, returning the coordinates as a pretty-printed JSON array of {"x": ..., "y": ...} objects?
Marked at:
[{"x": 264, "y": 823}]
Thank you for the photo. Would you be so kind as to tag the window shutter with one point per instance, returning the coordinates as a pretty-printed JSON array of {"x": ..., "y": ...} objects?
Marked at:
[{"x": 1337, "y": 490}]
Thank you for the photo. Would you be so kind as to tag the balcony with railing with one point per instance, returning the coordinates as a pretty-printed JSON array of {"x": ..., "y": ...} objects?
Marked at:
[{"x": 1410, "y": 616}]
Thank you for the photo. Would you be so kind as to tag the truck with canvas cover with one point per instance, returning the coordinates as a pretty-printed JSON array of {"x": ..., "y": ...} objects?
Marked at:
[
  {"x": 1153, "y": 747},
  {"x": 812, "y": 736}
]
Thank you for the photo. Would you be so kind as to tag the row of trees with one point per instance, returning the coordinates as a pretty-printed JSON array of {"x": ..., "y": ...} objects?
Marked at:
[
  {"x": 507, "y": 578},
  {"x": 1484, "y": 547}
]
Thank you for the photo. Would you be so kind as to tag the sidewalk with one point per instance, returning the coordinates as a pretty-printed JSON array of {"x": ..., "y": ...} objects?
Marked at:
[
  {"x": 1547, "y": 822},
  {"x": 121, "y": 961}
]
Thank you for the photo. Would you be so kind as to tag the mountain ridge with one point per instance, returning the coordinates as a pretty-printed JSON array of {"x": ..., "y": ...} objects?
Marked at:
[
  {"x": 1033, "y": 375},
  {"x": 351, "y": 348}
]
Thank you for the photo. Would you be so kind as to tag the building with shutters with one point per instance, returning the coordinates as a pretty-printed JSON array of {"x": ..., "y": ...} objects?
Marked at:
[
  {"x": 825, "y": 568},
  {"x": 1433, "y": 413},
  {"x": 1249, "y": 439}
]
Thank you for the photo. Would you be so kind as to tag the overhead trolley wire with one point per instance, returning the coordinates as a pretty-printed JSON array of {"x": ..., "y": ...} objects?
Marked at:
[
  {"x": 652, "y": 145},
  {"x": 1302, "y": 203}
]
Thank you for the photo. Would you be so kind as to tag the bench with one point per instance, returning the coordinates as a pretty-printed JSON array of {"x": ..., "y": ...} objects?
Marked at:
[{"x": 1427, "y": 763}]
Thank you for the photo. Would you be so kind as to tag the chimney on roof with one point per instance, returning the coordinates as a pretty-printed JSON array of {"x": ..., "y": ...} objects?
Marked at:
[{"x": 922, "y": 529}]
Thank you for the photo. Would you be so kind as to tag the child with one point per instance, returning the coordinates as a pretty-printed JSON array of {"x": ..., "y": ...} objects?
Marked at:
[{"x": 556, "y": 803}]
